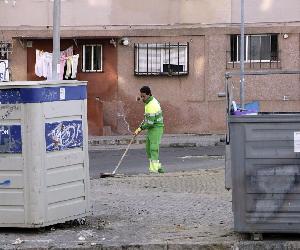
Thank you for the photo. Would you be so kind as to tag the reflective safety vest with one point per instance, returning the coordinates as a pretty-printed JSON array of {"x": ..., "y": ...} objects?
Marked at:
[{"x": 153, "y": 114}]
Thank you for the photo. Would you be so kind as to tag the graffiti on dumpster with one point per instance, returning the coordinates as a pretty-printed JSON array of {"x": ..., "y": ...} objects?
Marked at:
[
  {"x": 63, "y": 135},
  {"x": 10, "y": 139},
  {"x": 272, "y": 187},
  {"x": 5, "y": 183},
  {"x": 7, "y": 110}
]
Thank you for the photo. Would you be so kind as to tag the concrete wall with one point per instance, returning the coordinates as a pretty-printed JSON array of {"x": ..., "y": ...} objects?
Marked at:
[
  {"x": 276, "y": 93},
  {"x": 102, "y": 86},
  {"x": 18, "y": 61},
  {"x": 182, "y": 98},
  {"x": 190, "y": 103},
  {"x": 115, "y": 12},
  {"x": 261, "y": 11},
  {"x": 141, "y": 12}
]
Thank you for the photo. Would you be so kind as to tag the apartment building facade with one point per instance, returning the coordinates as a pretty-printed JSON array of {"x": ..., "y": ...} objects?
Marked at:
[{"x": 180, "y": 48}]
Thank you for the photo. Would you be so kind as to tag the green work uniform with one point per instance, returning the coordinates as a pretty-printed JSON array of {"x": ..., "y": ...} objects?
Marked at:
[{"x": 154, "y": 123}]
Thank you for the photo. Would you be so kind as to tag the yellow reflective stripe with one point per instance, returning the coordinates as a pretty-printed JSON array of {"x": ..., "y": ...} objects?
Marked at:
[
  {"x": 155, "y": 114},
  {"x": 152, "y": 107}
]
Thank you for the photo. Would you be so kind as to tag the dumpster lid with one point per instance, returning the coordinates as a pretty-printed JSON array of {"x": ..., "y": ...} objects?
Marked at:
[{"x": 266, "y": 117}]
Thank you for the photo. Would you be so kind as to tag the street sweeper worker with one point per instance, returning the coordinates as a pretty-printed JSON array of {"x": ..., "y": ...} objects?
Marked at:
[{"x": 153, "y": 123}]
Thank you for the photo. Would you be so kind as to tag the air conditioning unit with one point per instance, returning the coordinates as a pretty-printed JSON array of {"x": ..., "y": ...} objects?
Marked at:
[{"x": 4, "y": 72}]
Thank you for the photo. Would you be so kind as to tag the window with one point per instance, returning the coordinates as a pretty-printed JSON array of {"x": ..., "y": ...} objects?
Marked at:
[
  {"x": 161, "y": 59},
  {"x": 5, "y": 49},
  {"x": 92, "y": 58},
  {"x": 258, "y": 48}
]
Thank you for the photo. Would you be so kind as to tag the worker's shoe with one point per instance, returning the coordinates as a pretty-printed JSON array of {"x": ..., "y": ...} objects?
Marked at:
[
  {"x": 152, "y": 172},
  {"x": 161, "y": 170},
  {"x": 155, "y": 167},
  {"x": 152, "y": 167}
]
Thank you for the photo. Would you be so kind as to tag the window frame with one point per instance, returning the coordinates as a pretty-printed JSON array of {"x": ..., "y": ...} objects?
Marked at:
[
  {"x": 161, "y": 49},
  {"x": 92, "y": 58},
  {"x": 5, "y": 49},
  {"x": 236, "y": 54}
]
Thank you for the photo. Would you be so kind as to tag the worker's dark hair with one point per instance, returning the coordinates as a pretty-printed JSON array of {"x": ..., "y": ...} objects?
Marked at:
[{"x": 146, "y": 90}]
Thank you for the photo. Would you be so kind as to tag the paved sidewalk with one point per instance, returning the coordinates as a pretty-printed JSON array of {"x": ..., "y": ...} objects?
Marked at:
[
  {"x": 168, "y": 140},
  {"x": 169, "y": 211},
  {"x": 189, "y": 210}
]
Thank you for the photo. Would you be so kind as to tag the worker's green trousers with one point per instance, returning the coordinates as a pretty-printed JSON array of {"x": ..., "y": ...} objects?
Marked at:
[{"x": 152, "y": 142}]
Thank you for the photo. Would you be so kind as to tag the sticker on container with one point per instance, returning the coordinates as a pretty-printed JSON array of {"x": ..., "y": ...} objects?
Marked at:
[
  {"x": 62, "y": 93},
  {"x": 10, "y": 139},
  {"x": 5, "y": 183},
  {"x": 63, "y": 135},
  {"x": 296, "y": 141}
]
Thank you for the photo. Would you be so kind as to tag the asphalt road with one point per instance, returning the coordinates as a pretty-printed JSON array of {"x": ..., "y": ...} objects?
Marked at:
[{"x": 173, "y": 159}]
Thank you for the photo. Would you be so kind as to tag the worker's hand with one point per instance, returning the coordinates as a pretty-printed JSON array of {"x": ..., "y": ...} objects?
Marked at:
[{"x": 137, "y": 131}]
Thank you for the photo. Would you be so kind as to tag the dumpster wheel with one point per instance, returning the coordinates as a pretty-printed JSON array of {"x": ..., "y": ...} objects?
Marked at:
[{"x": 256, "y": 236}]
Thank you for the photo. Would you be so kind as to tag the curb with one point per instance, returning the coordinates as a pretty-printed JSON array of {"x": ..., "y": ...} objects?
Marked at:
[
  {"x": 158, "y": 246},
  {"x": 175, "y": 141},
  {"x": 166, "y": 246},
  {"x": 241, "y": 245}
]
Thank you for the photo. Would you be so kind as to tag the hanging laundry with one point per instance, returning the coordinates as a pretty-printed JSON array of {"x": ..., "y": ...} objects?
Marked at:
[
  {"x": 74, "y": 65},
  {"x": 68, "y": 51},
  {"x": 69, "y": 67},
  {"x": 63, "y": 60},
  {"x": 47, "y": 65},
  {"x": 38, "y": 68},
  {"x": 43, "y": 64}
]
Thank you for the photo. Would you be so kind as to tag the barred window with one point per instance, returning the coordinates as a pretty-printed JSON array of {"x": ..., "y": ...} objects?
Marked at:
[
  {"x": 5, "y": 50},
  {"x": 161, "y": 59},
  {"x": 258, "y": 48}
]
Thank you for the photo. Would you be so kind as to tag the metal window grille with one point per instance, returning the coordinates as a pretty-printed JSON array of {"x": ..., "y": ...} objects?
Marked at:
[
  {"x": 161, "y": 59},
  {"x": 5, "y": 49},
  {"x": 92, "y": 58},
  {"x": 261, "y": 51}
]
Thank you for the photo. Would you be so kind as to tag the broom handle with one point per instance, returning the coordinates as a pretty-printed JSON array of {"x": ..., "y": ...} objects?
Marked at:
[{"x": 123, "y": 155}]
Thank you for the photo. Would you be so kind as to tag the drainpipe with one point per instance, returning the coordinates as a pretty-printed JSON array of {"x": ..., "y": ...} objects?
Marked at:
[
  {"x": 242, "y": 59},
  {"x": 56, "y": 40}
]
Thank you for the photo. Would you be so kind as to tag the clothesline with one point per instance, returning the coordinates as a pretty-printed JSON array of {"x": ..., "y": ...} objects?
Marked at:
[{"x": 68, "y": 64}]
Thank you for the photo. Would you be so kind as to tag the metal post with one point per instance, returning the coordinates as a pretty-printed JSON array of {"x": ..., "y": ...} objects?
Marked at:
[
  {"x": 242, "y": 58},
  {"x": 56, "y": 40}
]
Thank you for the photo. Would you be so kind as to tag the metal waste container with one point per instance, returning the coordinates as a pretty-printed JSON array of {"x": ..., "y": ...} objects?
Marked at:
[
  {"x": 44, "y": 168},
  {"x": 265, "y": 170}
]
